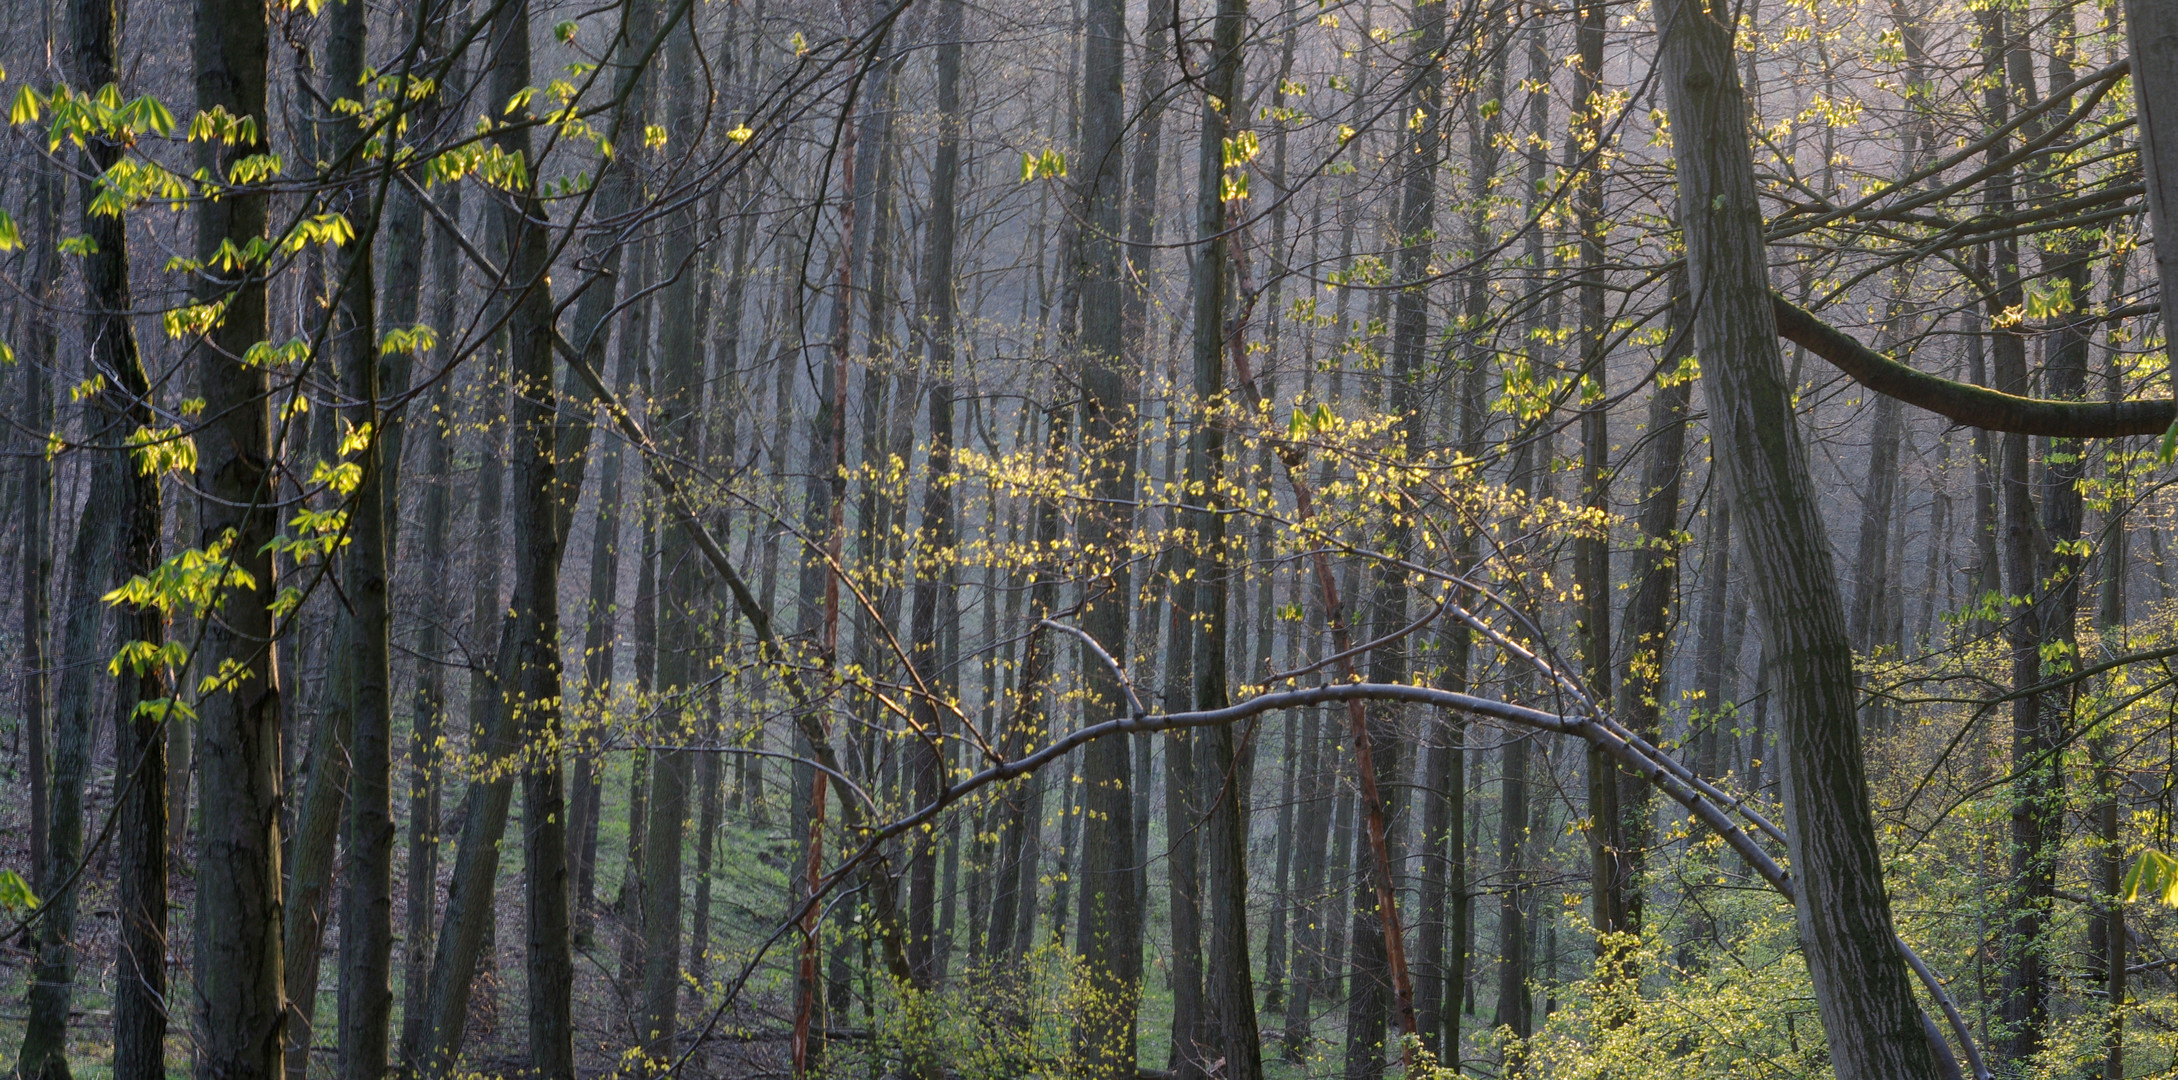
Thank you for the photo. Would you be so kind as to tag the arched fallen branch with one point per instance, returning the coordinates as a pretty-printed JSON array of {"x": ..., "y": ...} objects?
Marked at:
[{"x": 1705, "y": 802}]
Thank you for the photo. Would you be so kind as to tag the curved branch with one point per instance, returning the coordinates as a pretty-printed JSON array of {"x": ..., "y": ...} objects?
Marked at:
[{"x": 1964, "y": 403}]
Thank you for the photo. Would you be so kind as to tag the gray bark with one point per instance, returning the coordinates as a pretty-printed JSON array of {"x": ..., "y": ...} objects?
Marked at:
[{"x": 1870, "y": 1018}]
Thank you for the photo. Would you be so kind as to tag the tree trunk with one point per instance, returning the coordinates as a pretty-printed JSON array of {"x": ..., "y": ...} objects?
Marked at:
[
  {"x": 91, "y": 561},
  {"x": 527, "y": 653},
  {"x": 530, "y": 649},
  {"x": 1514, "y": 1009},
  {"x": 619, "y": 191},
  {"x": 47, "y": 191},
  {"x": 122, "y": 409},
  {"x": 1874, "y": 1026},
  {"x": 2151, "y": 32},
  {"x": 676, "y": 417},
  {"x": 935, "y": 545},
  {"x": 1649, "y": 611},
  {"x": 363, "y": 647},
  {"x": 428, "y": 709},
  {"x": 1110, "y": 925},
  {"x": 240, "y": 991},
  {"x": 1228, "y": 991}
]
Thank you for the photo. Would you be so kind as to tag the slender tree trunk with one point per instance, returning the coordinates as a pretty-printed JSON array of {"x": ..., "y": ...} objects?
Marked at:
[
  {"x": 523, "y": 703},
  {"x": 934, "y": 546},
  {"x": 363, "y": 646},
  {"x": 428, "y": 706},
  {"x": 2106, "y": 931},
  {"x": 530, "y": 649},
  {"x": 619, "y": 190},
  {"x": 1614, "y": 897},
  {"x": 91, "y": 561},
  {"x": 311, "y": 856},
  {"x": 1514, "y": 1007},
  {"x": 1649, "y": 612},
  {"x": 676, "y": 417},
  {"x": 1184, "y": 811},
  {"x": 48, "y": 190},
  {"x": 1878, "y": 494}
]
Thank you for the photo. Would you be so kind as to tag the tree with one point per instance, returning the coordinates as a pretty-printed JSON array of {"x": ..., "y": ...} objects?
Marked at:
[
  {"x": 240, "y": 990},
  {"x": 1870, "y": 1019}
]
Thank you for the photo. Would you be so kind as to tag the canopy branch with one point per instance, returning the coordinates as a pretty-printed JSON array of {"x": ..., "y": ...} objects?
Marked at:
[{"x": 1965, "y": 403}]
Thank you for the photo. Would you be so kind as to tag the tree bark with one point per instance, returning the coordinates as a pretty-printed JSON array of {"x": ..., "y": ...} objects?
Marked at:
[
  {"x": 240, "y": 992},
  {"x": 1229, "y": 992},
  {"x": 1870, "y": 1018},
  {"x": 428, "y": 706},
  {"x": 618, "y": 192},
  {"x": 677, "y": 417},
  {"x": 2151, "y": 32},
  {"x": 91, "y": 561},
  {"x": 363, "y": 647},
  {"x": 1110, "y": 926},
  {"x": 48, "y": 190},
  {"x": 123, "y": 409},
  {"x": 1649, "y": 611},
  {"x": 934, "y": 548}
]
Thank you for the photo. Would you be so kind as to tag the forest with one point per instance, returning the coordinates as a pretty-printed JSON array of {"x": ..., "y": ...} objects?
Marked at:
[{"x": 1118, "y": 539}]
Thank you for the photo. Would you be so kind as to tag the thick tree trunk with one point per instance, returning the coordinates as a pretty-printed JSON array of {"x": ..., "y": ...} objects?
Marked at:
[
  {"x": 1110, "y": 926},
  {"x": 2151, "y": 32},
  {"x": 240, "y": 991},
  {"x": 122, "y": 409},
  {"x": 1874, "y": 1026},
  {"x": 1228, "y": 991}
]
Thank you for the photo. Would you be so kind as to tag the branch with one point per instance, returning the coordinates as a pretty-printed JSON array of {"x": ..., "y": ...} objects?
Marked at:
[{"x": 1965, "y": 403}]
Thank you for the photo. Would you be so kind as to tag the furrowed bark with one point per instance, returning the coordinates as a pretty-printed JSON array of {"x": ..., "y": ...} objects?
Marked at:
[
  {"x": 240, "y": 991},
  {"x": 1110, "y": 926},
  {"x": 677, "y": 415},
  {"x": 122, "y": 412},
  {"x": 1870, "y": 1018},
  {"x": 362, "y": 645}
]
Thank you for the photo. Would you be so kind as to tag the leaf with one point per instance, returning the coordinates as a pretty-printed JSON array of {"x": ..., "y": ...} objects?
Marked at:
[
  {"x": 26, "y": 107},
  {"x": 10, "y": 237},
  {"x": 15, "y": 894},
  {"x": 2155, "y": 875}
]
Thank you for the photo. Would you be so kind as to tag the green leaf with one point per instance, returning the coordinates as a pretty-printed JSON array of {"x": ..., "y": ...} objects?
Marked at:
[
  {"x": 2154, "y": 875},
  {"x": 15, "y": 894},
  {"x": 26, "y": 108}
]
